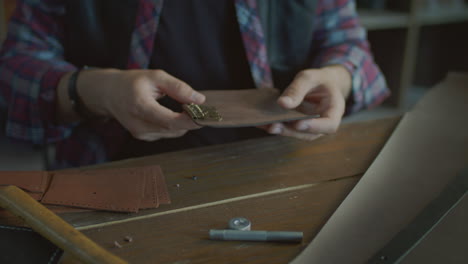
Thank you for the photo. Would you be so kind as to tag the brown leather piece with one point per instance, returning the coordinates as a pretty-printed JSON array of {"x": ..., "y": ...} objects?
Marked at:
[
  {"x": 248, "y": 107},
  {"x": 31, "y": 181},
  {"x": 120, "y": 190},
  {"x": 150, "y": 196},
  {"x": 59, "y": 209},
  {"x": 36, "y": 196},
  {"x": 161, "y": 187},
  {"x": 156, "y": 192}
]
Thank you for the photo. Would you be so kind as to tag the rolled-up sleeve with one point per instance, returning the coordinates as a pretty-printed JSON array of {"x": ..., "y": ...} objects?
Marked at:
[
  {"x": 31, "y": 65},
  {"x": 340, "y": 39}
]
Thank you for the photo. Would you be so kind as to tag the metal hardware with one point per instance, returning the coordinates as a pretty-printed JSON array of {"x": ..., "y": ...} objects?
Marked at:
[
  {"x": 202, "y": 112},
  {"x": 239, "y": 223}
]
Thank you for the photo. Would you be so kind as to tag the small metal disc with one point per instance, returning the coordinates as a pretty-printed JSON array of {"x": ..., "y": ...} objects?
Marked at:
[{"x": 239, "y": 223}]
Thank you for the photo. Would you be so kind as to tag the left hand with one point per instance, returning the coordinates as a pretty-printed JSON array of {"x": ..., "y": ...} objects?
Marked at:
[{"x": 315, "y": 91}]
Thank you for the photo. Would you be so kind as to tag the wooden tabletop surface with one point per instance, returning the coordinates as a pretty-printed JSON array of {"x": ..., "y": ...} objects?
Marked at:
[{"x": 278, "y": 183}]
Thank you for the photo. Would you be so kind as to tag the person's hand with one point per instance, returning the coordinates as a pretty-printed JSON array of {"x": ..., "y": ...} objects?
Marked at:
[
  {"x": 130, "y": 96},
  {"x": 315, "y": 91}
]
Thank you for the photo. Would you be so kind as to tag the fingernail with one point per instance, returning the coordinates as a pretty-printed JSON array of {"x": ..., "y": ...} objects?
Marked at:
[
  {"x": 302, "y": 126},
  {"x": 198, "y": 97},
  {"x": 286, "y": 100},
  {"x": 276, "y": 129}
]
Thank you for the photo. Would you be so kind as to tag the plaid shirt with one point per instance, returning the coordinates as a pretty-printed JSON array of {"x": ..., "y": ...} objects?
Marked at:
[{"x": 32, "y": 63}]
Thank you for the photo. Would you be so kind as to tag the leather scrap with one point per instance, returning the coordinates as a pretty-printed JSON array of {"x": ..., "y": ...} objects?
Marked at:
[
  {"x": 116, "y": 189},
  {"x": 119, "y": 190},
  {"x": 150, "y": 197},
  {"x": 31, "y": 181},
  {"x": 163, "y": 193}
]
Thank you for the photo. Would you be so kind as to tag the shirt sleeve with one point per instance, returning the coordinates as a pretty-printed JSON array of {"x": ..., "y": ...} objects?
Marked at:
[
  {"x": 31, "y": 65},
  {"x": 340, "y": 39}
]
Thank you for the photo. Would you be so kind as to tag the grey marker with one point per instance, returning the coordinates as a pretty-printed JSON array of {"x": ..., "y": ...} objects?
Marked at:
[{"x": 275, "y": 236}]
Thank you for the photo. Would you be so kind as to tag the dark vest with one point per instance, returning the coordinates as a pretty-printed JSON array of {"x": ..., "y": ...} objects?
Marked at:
[{"x": 98, "y": 33}]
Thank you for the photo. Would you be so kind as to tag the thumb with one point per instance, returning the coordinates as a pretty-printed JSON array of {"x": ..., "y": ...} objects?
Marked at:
[
  {"x": 295, "y": 93},
  {"x": 177, "y": 89}
]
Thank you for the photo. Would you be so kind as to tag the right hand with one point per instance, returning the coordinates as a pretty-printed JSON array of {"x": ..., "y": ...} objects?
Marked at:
[{"x": 130, "y": 96}]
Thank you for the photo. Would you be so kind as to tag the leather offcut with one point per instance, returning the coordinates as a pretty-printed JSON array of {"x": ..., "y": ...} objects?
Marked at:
[
  {"x": 32, "y": 182},
  {"x": 118, "y": 189}
]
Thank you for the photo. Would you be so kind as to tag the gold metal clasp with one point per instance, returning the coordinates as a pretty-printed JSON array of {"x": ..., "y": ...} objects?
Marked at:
[{"x": 202, "y": 112}]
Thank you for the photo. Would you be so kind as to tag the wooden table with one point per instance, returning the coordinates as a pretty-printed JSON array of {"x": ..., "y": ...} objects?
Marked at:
[{"x": 278, "y": 183}]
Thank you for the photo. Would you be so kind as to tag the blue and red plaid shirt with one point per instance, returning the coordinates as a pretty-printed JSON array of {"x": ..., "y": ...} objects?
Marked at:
[{"x": 32, "y": 63}]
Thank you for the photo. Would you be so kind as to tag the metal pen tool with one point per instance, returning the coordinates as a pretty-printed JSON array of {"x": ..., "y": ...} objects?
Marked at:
[{"x": 240, "y": 235}]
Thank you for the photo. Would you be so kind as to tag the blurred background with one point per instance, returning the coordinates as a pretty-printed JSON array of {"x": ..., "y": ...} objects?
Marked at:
[{"x": 415, "y": 43}]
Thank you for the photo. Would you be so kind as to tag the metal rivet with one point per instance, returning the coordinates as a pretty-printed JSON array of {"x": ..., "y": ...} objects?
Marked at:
[{"x": 239, "y": 223}]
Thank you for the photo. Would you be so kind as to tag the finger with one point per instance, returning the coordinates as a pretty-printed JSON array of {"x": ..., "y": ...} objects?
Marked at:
[
  {"x": 300, "y": 135},
  {"x": 163, "y": 118},
  {"x": 148, "y": 131},
  {"x": 330, "y": 118},
  {"x": 324, "y": 125},
  {"x": 309, "y": 108},
  {"x": 276, "y": 128},
  {"x": 295, "y": 93},
  {"x": 177, "y": 89},
  {"x": 153, "y": 136}
]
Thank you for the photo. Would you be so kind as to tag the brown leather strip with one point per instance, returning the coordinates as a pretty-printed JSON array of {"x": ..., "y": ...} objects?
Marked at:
[
  {"x": 32, "y": 181},
  {"x": 122, "y": 190},
  {"x": 150, "y": 197},
  {"x": 249, "y": 107},
  {"x": 35, "y": 196},
  {"x": 58, "y": 209},
  {"x": 161, "y": 187},
  {"x": 111, "y": 189}
]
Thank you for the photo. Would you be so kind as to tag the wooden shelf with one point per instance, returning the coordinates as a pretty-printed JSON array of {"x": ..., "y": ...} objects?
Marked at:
[
  {"x": 442, "y": 16},
  {"x": 383, "y": 19},
  {"x": 412, "y": 21}
]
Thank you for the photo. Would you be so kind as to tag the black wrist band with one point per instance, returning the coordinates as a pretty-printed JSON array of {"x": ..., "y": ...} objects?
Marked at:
[{"x": 75, "y": 99}]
